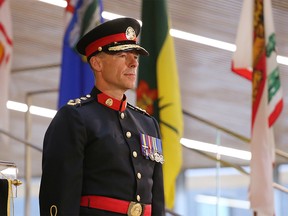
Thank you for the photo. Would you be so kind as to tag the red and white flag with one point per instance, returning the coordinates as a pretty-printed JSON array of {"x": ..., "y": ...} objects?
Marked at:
[
  {"x": 255, "y": 59},
  {"x": 5, "y": 60}
]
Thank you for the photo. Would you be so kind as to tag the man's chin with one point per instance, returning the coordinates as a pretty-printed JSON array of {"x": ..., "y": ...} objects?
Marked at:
[{"x": 130, "y": 87}]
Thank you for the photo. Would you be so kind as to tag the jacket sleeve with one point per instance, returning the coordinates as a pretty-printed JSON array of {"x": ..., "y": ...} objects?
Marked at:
[
  {"x": 158, "y": 203},
  {"x": 62, "y": 163}
]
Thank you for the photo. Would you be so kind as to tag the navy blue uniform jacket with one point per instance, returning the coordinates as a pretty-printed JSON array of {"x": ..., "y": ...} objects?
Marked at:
[{"x": 88, "y": 151}]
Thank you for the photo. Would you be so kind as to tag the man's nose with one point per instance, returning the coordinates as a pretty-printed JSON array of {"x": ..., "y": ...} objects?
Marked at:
[{"x": 132, "y": 60}]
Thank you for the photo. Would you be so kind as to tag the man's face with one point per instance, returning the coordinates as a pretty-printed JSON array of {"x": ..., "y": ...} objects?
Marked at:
[{"x": 119, "y": 70}]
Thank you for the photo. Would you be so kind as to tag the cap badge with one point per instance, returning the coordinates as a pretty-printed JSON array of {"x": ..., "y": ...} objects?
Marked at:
[
  {"x": 130, "y": 33},
  {"x": 109, "y": 102}
]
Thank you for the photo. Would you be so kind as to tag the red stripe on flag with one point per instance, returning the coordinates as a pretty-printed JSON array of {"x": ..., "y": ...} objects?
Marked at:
[
  {"x": 69, "y": 7},
  {"x": 1, "y": 2},
  {"x": 7, "y": 59},
  {"x": 2, "y": 29},
  {"x": 244, "y": 72},
  {"x": 276, "y": 112},
  {"x": 260, "y": 67}
]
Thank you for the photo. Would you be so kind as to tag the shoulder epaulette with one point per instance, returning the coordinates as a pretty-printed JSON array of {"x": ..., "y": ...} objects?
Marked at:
[
  {"x": 138, "y": 109},
  {"x": 80, "y": 101}
]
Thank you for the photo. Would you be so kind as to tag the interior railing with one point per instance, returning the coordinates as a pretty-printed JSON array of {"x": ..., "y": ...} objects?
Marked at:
[{"x": 278, "y": 152}]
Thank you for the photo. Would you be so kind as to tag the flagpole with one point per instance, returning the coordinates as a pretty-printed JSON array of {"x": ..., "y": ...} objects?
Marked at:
[
  {"x": 218, "y": 167},
  {"x": 27, "y": 157},
  {"x": 28, "y": 129}
]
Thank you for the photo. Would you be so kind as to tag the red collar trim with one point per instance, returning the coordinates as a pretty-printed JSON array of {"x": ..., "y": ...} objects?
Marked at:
[
  {"x": 118, "y": 105},
  {"x": 93, "y": 47}
]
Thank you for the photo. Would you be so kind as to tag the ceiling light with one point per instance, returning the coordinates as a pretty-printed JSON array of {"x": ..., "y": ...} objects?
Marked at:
[
  {"x": 202, "y": 40},
  {"x": 282, "y": 60},
  {"x": 40, "y": 111},
  {"x": 176, "y": 33},
  {"x": 35, "y": 110},
  {"x": 220, "y": 150},
  {"x": 50, "y": 113},
  {"x": 110, "y": 16},
  {"x": 196, "y": 38},
  {"x": 21, "y": 107},
  {"x": 59, "y": 3}
]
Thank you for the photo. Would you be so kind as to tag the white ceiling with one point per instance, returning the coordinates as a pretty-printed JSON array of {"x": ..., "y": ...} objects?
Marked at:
[{"x": 208, "y": 88}]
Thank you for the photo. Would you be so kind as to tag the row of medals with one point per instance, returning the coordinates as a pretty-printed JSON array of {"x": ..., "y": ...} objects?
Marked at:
[{"x": 156, "y": 157}]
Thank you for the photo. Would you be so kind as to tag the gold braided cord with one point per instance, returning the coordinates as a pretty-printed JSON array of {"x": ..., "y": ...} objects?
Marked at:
[{"x": 124, "y": 47}]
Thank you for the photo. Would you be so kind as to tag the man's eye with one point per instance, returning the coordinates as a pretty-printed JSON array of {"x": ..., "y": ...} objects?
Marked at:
[{"x": 121, "y": 55}]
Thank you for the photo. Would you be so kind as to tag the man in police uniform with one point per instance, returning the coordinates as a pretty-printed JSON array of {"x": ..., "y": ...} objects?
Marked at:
[{"x": 103, "y": 156}]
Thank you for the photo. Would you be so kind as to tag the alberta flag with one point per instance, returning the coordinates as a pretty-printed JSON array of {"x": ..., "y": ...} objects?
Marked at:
[
  {"x": 6, "y": 45},
  {"x": 76, "y": 76},
  {"x": 255, "y": 59},
  {"x": 158, "y": 89}
]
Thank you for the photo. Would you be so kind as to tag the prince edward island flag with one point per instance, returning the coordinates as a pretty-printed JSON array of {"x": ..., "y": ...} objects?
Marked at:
[
  {"x": 76, "y": 76},
  {"x": 158, "y": 88},
  {"x": 255, "y": 59}
]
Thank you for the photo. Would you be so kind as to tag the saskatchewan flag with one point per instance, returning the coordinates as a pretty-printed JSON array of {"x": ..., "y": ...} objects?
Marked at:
[
  {"x": 255, "y": 59},
  {"x": 76, "y": 76},
  {"x": 158, "y": 88}
]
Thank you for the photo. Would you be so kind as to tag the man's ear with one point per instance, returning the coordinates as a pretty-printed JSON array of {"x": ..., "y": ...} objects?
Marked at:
[{"x": 95, "y": 63}]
